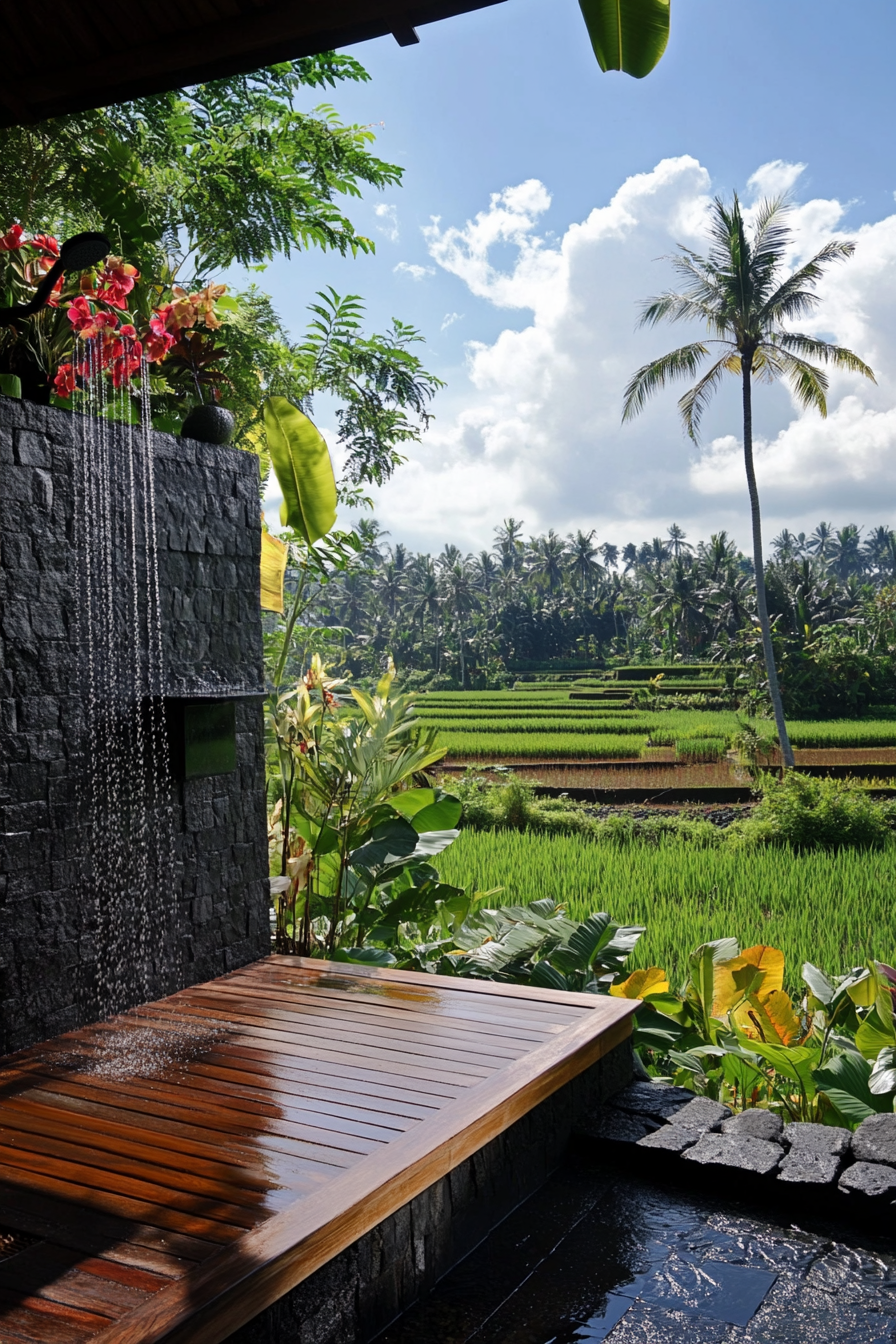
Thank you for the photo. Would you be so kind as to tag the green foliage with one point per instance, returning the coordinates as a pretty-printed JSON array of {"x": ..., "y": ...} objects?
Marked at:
[
  {"x": 226, "y": 172},
  {"x": 354, "y": 823},
  {"x": 807, "y": 813}
]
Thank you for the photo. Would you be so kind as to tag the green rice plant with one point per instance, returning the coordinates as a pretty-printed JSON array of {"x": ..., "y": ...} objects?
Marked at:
[
  {"x": 522, "y": 726},
  {"x": 700, "y": 749},
  {"x": 541, "y": 746},
  {"x": 834, "y": 909},
  {"x": 851, "y": 733}
]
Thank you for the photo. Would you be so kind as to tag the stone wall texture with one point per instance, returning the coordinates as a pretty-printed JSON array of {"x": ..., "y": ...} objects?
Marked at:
[
  {"x": 208, "y": 527},
  {"x": 360, "y": 1292}
]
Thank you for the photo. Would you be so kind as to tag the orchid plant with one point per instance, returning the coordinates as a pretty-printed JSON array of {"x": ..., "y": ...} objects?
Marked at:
[{"x": 104, "y": 322}]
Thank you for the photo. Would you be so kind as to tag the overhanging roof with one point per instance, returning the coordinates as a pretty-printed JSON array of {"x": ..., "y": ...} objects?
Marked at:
[{"x": 78, "y": 54}]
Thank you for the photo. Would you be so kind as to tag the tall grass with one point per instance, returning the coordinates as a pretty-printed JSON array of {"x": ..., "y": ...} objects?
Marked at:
[{"x": 833, "y": 909}]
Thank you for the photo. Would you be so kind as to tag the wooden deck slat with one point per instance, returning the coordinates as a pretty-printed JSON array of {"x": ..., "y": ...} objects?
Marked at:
[
  {"x": 298, "y": 1105},
  {"x": 167, "y": 1150},
  {"x": 331, "y": 1003},
  {"x": 435, "y": 1037},
  {"x": 128, "y": 1242},
  {"x": 57, "y": 1275},
  {"x": 356, "y": 1041}
]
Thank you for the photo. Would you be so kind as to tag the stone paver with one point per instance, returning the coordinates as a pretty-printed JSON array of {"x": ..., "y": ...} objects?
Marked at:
[
  {"x": 754, "y": 1156},
  {"x": 755, "y": 1124},
  {"x": 871, "y": 1179},
  {"x": 701, "y": 1112},
  {"x": 875, "y": 1140}
]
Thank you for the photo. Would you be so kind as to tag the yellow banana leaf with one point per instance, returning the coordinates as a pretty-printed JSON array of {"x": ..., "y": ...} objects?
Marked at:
[
  {"x": 771, "y": 1018},
  {"x": 649, "y": 981},
  {"x": 274, "y": 555}
]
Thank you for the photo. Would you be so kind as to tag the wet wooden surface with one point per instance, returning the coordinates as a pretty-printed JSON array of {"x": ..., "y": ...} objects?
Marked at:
[{"x": 167, "y": 1174}]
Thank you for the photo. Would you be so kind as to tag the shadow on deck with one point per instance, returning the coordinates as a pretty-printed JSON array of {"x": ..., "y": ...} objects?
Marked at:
[{"x": 170, "y": 1173}]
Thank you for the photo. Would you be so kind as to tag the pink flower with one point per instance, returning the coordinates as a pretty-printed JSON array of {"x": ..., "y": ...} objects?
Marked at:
[
  {"x": 115, "y": 282},
  {"x": 85, "y": 321},
  {"x": 12, "y": 241}
]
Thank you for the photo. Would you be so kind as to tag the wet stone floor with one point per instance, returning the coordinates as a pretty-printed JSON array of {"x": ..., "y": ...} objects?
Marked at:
[{"x": 598, "y": 1254}]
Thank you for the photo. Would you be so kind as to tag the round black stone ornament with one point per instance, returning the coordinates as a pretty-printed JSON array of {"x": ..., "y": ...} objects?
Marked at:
[{"x": 209, "y": 424}]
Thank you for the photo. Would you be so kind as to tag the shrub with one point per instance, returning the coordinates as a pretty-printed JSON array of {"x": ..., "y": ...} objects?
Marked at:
[{"x": 811, "y": 813}]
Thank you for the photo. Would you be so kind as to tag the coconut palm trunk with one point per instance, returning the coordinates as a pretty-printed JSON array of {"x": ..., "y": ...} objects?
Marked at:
[{"x": 768, "y": 650}]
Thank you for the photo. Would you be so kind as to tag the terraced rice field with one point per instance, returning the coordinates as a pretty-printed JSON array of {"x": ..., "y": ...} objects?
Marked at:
[
  {"x": 513, "y": 726},
  {"x": 833, "y": 909}
]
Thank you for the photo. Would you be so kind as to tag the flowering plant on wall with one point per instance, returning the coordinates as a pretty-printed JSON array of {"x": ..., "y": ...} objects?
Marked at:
[{"x": 109, "y": 323}]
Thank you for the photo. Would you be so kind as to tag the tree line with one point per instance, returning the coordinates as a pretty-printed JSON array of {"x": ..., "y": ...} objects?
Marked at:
[{"x": 532, "y": 603}]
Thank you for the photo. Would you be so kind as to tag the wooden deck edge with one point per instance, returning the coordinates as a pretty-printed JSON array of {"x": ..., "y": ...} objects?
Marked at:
[{"x": 244, "y": 1279}]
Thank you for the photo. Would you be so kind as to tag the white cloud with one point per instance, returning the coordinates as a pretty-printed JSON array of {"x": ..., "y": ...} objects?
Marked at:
[
  {"x": 413, "y": 270},
  {"x": 449, "y": 320},
  {"x": 534, "y": 429},
  {"x": 774, "y": 179},
  {"x": 388, "y": 214}
]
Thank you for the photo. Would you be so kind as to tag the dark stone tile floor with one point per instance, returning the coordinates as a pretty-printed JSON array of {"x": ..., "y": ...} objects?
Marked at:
[{"x": 600, "y": 1254}]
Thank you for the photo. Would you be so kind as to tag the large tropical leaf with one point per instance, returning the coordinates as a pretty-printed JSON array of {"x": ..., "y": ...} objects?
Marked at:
[
  {"x": 627, "y": 35},
  {"x": 274, "y": 555},
  {"x": 301, "y": 462}
]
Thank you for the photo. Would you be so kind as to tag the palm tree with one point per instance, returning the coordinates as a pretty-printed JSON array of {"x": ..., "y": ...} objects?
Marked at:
[
  {"x": 458, "y": 584},
  {"x": 677, "y": 541},
  {"x": 547, "y": 559},
  {"x": 740, "y": 293},
  {"x": 610, "y": 554},
  {"x": 822, "y": 539},
  {"x": 581, "y": 558}
]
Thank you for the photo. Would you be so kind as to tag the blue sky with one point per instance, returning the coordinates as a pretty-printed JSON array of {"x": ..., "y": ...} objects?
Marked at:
[{"x": 544, "y": 292}]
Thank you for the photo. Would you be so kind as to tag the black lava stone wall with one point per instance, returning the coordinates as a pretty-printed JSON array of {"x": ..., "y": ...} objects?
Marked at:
[{"x": 208, "y": 526}]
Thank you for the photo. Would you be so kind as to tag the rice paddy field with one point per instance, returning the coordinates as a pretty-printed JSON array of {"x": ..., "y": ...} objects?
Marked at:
[
  {"x": 833, "y": 909},
  {"x": 539, "y": 721}
]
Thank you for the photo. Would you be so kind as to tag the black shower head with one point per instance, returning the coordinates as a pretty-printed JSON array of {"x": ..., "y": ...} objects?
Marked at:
[
  {"x": 76, "y": 254},
  {"x": 83, "y": 251}
]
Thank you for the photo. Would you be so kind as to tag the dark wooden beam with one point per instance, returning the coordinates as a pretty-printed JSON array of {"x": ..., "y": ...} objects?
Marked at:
[{"x": 182, "y": 46}]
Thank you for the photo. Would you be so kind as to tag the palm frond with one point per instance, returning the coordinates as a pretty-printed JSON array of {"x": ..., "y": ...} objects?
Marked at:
[
  {"x": 671, "y": 307},
  {"x": 795, "y": 296},
  {"x": 812, "y": 347},
  {"x": 808, "y": 384},
  {"x": 681, "y": 363},
  {"x": 697, "y": 398}
]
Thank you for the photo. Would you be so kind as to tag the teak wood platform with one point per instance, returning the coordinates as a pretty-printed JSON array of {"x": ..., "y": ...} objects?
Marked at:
[{"x": 168, "y": 1174}]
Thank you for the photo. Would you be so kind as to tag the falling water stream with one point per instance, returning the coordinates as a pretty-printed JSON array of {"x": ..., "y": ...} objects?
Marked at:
[{"x": 129, "y": 868}]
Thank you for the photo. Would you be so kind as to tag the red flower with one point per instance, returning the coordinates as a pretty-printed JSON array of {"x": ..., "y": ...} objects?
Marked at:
[
  {"x": 126, "y": 352},
  {"x": 64, "y": 383},
  {"x": 115, "y": 282},
  {"x": 47, "y": 243},
  {"x": 158, "y": 339},
  {"x": 12, "y": 241},
  {"x": 53, "y": 301},
  {"x": 85, "y": 321}
]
